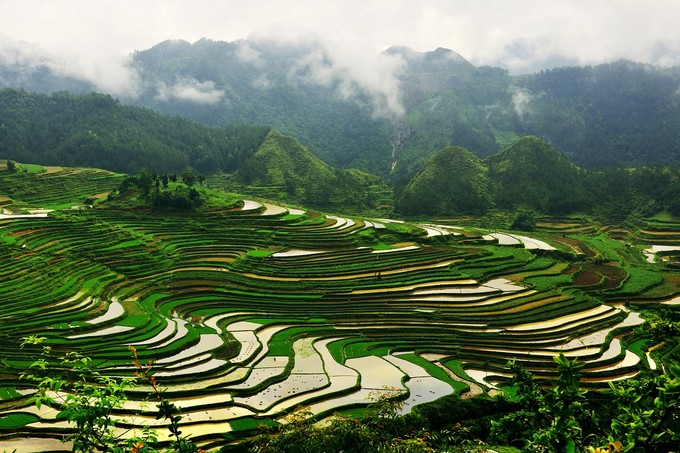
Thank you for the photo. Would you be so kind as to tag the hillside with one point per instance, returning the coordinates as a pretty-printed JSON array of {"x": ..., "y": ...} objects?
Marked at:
[
  {"x": 96, "y": 130},
  {"x": 388, "y": 118},
  {"x": 452, "y": 181},
  {"x": 282, "y": 164},
  {"x": 534, "y": 175},
  {"x": 249, "y": 314}
]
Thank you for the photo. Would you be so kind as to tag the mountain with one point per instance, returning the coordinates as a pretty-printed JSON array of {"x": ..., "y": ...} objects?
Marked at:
[
  {"x": 453, "y": 180},
  {"x": 438, "y": 68},
  {"x": 97, "y": 131},
  {"x": 283, "y": 162},
  {"x": 294, "y": 89},
  {"x": 614, "y": 114},
  {"x": 389, "y": 115},
  {"x": 621, "y": 113},
  {"x": 531, "y": 173}
]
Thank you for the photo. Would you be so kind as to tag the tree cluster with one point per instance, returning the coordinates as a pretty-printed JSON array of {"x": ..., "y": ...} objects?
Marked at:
[{"x": 163, "y": 191}]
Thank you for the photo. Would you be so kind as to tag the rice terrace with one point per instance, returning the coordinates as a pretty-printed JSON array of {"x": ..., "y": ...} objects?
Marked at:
[{"x": 250, "y": 310}]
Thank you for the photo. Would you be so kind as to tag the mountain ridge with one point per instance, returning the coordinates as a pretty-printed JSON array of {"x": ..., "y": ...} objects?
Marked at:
[{"x": 619, "y": 113}]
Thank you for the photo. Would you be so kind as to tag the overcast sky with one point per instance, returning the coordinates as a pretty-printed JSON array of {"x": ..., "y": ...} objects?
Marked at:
[{"x": 93, "y": 36}]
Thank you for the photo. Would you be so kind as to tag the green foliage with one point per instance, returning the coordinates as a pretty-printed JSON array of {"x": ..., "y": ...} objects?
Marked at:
[
  {"x": 85, "y": 398},
  {"x": 97, "y": 131},
  {"x": 88, "y": 400},
  {"x": 157, "y": 191},
  {"x": 380, "y": 430},
  {"x": 453, "y": 181},
  {"x": 11, "y": 166},
  {"x": 642, "y": 414},
  {"x": 167, "y": 410},
  {"x": 524, "y": 220},
  {"x": 647, "y": 415}
]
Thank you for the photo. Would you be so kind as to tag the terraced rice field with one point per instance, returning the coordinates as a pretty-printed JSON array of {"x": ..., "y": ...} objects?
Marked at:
[{"x": 251, "y": 313}]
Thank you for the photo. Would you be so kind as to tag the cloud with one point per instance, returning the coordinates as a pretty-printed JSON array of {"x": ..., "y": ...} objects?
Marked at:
[
  {"x": 247, "y": 54},
  {"x": 521, "y": 99},
  {"x": 93, "y": 39},
  {"x": 191, "y": 90},
  {"x": 19, "y": 53},
  {"x": 261, "y": 82},
  {"x": 354, "y": 73},
  {"x": 112, "y": 75}
]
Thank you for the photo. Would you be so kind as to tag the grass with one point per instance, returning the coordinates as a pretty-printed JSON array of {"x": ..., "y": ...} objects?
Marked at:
[
  {"x": 250, "y": 423},
  {"x": 639, "y": 280},
  {"x": 434, "y": 371},
  {"x": 17, "y": 420}
]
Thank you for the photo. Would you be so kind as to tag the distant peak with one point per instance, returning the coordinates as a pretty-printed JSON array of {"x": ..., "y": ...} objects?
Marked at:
[
  {"x": 446, "y": 53},
  {"x": 404, "y": 51}
]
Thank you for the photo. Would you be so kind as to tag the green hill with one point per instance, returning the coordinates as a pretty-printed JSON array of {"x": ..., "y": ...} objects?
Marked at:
[
  {"x": 532, "y": 173},
  {"x": 98, "y": 131},
  {"x": 281, "y": 161},
  {"x": 452, "y": 181}
]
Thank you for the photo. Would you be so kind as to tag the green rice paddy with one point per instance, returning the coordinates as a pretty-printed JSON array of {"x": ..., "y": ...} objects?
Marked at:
[{"x": 305, "y": 306}]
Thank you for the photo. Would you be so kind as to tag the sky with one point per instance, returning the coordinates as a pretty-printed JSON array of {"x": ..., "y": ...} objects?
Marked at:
[{"x": 94, "y": 38}]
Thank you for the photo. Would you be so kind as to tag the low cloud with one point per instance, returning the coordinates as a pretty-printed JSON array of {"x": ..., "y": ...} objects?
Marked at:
[
  {"x": 354, "y": 74},
  {"x": 110, "y": 74},
  {"x": 247, "y": 54},
  {"x": 521, "y": 99},
  {"x": 20, "y": 53},
  {"x": 261, "y": 83},
  {"x": 191, "y": 90}
]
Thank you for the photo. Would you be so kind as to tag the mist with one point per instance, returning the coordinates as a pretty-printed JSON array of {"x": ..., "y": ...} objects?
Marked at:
[
  {"x": 190, "y": 89},
  {"x": 94, "y": 41},
  {"x": 355, "y": 73}
]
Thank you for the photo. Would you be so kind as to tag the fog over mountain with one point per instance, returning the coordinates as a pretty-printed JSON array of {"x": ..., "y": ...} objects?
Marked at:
[
  {"x": 94, "y": 40},
  {"x": 374, "y": 85}
]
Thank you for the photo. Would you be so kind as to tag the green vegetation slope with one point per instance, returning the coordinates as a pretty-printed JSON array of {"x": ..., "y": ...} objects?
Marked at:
[
  {"x": 98, "y": 131},
  {"x": 452, "y": 180},
  {"x": 533, "y": 174}
]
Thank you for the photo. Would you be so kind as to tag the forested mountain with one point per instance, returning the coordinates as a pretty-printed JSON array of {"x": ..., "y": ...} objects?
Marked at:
[
  {"x": 97, "y": 131},
  {"x": 389, "y": 116},
  {"x": 619, "y": 113},
  {"x": 280, "y": 86},
  {"x": 532, "y": 174},
  {"x": 281, "y": 161},
  {"x": 453, "y": 180}
]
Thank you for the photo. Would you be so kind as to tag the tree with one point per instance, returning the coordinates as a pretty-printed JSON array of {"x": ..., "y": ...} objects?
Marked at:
[
  {"x": 524, "y": 220},
  {"x": 190, "y": 176},
  {"x": 144, "y": 181},
  {"x": 11, "y": 166}
]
